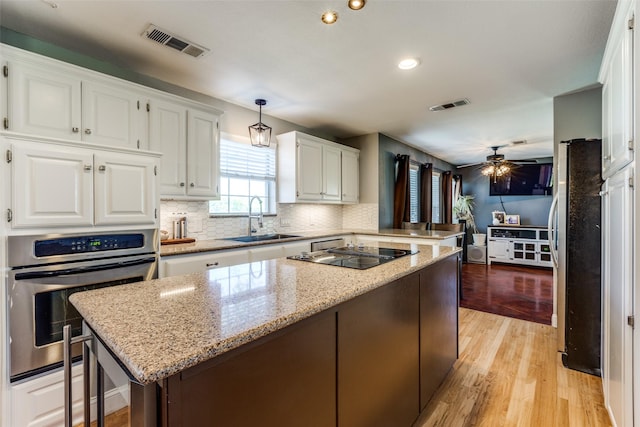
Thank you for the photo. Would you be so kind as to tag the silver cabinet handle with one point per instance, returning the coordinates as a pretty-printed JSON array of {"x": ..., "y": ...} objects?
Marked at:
[
  {"x": 182, "y": 184},
  {"x": 87, "y": 131},
  {"x": 102, "y": 168},
  {"x": 75, "y": 130},
  {"x": 192, "y": 185},
  {"x": 87, "y": 168},
  {"x": 68, "y": 342}
]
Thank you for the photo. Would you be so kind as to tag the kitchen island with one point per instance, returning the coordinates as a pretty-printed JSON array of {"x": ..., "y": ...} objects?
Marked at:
[{"x": 284, "y": 342}]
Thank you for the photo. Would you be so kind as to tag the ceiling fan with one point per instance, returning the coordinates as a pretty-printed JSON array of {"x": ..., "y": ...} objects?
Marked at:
[{"x": 496, "y": 165}]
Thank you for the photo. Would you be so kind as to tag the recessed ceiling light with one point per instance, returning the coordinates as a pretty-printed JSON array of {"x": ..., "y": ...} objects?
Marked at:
[
  {"x": 356, "y": 4},
  {"x": 409, "y": 63},
  {"x": 330, "y": 17}
]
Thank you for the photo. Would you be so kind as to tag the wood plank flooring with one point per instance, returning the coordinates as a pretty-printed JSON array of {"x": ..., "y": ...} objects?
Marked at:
[
  {"x": 509, "y": 374},
  {"x": 509, "y": 290}
]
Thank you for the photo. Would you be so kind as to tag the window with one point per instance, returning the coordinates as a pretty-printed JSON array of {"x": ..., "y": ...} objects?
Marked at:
[
  {"x": 413, "y": 193},
  {"x": 245, "y": 171},
  {"x": 435, "y": 197}
]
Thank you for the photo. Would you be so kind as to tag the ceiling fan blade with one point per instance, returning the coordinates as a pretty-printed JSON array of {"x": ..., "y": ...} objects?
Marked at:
[
  {"x": 524, "y": 161},
  {"x": 470, "y": 164}
]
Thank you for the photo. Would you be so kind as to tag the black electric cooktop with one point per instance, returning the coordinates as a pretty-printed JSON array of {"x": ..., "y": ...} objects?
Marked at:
[{"x": 360, "y": 258}]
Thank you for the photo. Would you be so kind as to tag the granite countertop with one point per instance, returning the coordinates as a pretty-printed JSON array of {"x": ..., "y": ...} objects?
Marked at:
[
  {"x": 160, "y": 327},
  {"x": 221, "y": 244}
]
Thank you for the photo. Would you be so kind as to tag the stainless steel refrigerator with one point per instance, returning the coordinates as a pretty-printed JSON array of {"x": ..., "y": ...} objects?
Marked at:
[{"x": 574, "y": 228}]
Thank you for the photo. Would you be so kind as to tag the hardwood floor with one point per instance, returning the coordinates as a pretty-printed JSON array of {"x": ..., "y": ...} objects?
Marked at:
[
  {"x": 509, "y": 290},
  {"x": 509, "y": 374}
]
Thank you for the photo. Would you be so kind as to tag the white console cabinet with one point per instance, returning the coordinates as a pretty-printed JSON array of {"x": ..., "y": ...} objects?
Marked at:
[{"x": 519, "y": 245}]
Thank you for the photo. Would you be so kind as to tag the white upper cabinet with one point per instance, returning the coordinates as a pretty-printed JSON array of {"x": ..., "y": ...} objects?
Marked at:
[
  {"x": 60, "y": 185},
  {"x": 350, "y": 176},
  {"x": 203, "y": 154},
  {"x": 311, "y": 169},
  {"x": 43, "y": 101},
  {"x": 331, "y": 173},
  {"x": 112, "y": 115},
  {"x": 168, "y": 135},
  {"x": 53, "y": 99},
  {"x": 189, "y": 139},
  {"x": 51, "y": 187},
  {"x": 124, "y": 189},
  {"x": 617, "y": 97}
]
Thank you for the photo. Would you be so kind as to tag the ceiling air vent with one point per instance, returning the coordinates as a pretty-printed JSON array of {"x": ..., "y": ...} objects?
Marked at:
[
  {"x": 448, "y": 105},
  {"x": 164, "y": 37}
]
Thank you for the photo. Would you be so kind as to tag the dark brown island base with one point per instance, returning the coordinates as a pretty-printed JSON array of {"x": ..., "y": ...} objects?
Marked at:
[{"x": 373, "y": 357}]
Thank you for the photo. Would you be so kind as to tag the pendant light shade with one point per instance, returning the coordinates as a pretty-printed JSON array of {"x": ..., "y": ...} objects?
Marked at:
[{"x": 260, "y": 133}]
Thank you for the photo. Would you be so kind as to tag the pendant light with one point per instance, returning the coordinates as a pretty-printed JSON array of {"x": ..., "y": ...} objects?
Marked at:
[{"x": 260, "y": 133}]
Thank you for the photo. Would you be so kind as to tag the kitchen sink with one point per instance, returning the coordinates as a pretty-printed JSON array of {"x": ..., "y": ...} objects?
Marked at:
[{"x": 260, "y": 238}]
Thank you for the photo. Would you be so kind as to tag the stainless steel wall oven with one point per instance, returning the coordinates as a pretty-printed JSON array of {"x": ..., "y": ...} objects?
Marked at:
[{"x": 45, "y": 270}]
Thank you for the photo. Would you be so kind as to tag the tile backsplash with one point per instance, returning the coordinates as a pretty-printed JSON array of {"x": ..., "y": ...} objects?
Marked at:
[{"x": 290, "y": 217}]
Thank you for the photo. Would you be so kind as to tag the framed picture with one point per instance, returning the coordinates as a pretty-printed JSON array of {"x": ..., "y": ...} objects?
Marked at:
[
  {"x": 512, "y": 219},
  {"x": 498, "y": 217}
]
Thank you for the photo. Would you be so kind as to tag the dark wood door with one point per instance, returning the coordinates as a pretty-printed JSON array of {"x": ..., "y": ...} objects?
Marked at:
[{"x": 378, "y": 357}]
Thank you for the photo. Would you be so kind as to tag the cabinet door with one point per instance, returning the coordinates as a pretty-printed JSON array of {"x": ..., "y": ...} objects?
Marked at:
[
  {"x": 110, "y": 115},
  {"x": 331, "y": 173},
  {"x": 498, "y": 250},
  {"x": 51, "y": 186},
  {"x": 43, "y": 101},
  {"x": 309, "y": 170},
  {"x": 350, "y": 177},
  {"x": 378, "y": 357},
  {"x": 203, "y": 153},
  {"x": 125, "y": 191},
  {"x": 618, "y": 298},
  {"x": 176, "y": 266},
  {"x": 168, "y": 135},
  {"x": 618, "y": 99}
]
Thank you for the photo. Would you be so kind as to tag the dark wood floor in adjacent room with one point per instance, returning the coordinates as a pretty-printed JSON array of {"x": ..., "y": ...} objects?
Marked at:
[{"x": 509, "y": 290}]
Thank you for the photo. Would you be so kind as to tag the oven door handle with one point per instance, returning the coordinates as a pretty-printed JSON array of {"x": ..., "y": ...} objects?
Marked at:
[{"x": 80, "y": 270}]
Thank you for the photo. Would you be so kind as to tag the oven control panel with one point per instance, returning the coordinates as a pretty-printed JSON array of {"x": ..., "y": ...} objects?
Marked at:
[{"x": 84, "y": 244}]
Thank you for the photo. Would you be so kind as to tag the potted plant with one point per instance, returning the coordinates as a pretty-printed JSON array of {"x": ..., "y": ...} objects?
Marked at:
[{"x": 463, "y": 209}]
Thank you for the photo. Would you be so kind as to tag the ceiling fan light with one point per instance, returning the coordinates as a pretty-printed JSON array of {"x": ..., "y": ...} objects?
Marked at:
[{"x": 356, "y": 4}]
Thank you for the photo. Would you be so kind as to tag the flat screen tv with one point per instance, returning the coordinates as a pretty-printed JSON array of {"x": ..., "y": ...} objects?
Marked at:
[{"x": 525, "y": 180}]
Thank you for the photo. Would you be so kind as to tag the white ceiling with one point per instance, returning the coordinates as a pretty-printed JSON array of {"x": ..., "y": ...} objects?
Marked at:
[{"x": 508, "y": 57}]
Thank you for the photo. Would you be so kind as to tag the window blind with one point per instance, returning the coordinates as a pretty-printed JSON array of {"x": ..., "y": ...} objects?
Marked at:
[
  {"x": 239, "y": 159},
  {"x": 435, "y": 197},
  {"x": 413, "y": 193}
]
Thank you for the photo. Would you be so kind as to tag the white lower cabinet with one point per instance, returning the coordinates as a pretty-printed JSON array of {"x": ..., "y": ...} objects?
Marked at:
[
  {"x": 59, "y": 185},
  {"x": 187, "y": 264},
  {"x": 39, "y": 402}
]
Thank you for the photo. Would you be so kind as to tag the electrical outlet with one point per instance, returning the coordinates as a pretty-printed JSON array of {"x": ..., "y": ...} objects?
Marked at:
[{"x": 285, "y": 222}]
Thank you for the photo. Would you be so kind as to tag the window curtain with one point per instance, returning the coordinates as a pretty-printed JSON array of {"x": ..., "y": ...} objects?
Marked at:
[
  {"x": 401, "y": 201},
  {"x": 447, "y": 202},
  {"x": 426, "y": 173}
]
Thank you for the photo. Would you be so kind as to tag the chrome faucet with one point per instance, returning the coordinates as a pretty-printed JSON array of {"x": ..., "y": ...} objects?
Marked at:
[{"x": 260, "y": 216}]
